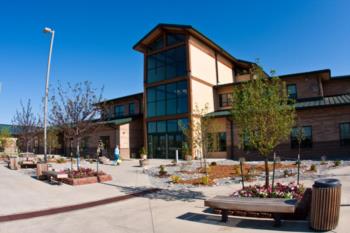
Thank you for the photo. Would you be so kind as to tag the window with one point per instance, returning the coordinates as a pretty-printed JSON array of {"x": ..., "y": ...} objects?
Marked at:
[
  {"x": 292, "y": 91},
  {"x": 166, "y": 65},
  {"x": 306, "y": 141},
  {"x": 172, "y": 39},
  {"x": 167, "y": 99},
  {"x": 345, "y": 133},
  {"x": 217, "y": 142},
  {"x": 131, "y": 108},
  {"x": 225, "y": 100},
  {"x": 119, "y": 110},
  {"x": 157, "y": 44}
]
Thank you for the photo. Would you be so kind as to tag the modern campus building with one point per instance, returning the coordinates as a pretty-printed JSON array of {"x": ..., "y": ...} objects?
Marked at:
[{"x": 184, "y": 69}]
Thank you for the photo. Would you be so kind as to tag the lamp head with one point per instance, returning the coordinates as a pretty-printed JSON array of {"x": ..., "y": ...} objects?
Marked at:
[{"x": 47, "y": 30}]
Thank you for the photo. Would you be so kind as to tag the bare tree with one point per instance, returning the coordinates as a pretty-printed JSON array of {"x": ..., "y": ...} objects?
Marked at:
[
  {"x": 74, "y": 110},
  {"x": 26, "y": 124}
]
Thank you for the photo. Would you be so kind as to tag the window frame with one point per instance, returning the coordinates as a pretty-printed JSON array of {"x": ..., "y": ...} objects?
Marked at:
[
  {"x": 341, "y": 140},
  {"x": 294, "y": 96},
  {"x": 179, "y": 97},
  {"x": 116, "y": 112},
  {"x": 134, "y": 108},
  {"x": 228, "y": 102}
]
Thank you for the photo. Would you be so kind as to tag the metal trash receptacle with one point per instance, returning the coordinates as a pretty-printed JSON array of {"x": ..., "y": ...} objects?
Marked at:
[{"x": 325, "y": 204}]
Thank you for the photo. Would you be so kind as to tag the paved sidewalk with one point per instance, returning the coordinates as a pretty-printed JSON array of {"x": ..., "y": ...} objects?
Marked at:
[{"x": 162, "y": 212}]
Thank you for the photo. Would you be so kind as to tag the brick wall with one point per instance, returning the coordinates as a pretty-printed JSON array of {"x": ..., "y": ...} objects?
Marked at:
[{"x": 336, "y": 87}]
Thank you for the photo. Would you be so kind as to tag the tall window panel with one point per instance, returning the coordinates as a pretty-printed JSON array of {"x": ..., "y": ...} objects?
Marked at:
[
  {"x": 167, "y": 99},
  {"x": 344, "y": 133},
  {"x": 167, "y": 64},
  {"x": 119, "y": 110},
  {"x": 306, "y": 141}
]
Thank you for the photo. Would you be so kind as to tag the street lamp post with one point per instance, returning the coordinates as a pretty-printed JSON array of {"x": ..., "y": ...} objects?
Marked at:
[{"x": 47, "y": 30}]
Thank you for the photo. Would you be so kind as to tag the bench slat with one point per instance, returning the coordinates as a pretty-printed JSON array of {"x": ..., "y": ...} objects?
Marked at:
[{"x": 270, "y": 205}]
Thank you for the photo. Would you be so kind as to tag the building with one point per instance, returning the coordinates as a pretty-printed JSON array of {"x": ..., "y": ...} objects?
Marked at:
[
  {"x": 8, "y": 145},
  {"x": 184, "y": 69}
]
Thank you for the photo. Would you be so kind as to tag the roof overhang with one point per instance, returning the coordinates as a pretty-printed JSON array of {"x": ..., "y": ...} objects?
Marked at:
[
  {"x": 120, "y": 121},
  {"x": 141, "y": 45}
]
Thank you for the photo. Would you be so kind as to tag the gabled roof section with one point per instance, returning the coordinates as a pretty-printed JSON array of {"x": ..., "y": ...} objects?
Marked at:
[
  {"x": 141, "y": 45},
  {"x": 122, "y": 98},
  {"x": 325, "y": 74}
]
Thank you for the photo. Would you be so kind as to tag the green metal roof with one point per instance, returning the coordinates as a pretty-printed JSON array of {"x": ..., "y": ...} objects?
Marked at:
[
  {"x": 323, "y": 102},
  {"x": 10, "y": 128},
  {"x": 219, "y": 114},
  {"x": 116, "y": 121}
]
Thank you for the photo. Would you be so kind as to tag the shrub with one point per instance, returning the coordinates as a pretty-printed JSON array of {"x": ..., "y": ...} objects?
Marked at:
[
  {"x": 313, "y": 168},
  {"x": 286, "y": 173},
  {"x": 337, "y": 163},
  {"x": 237, "y": 170},
  {"x": 60, "y": 160},
  {"x": 162, "y": 170},
  {"x": 83, "y": 172},
  {"x": 213, "y": 163},
  {"x": 205, "y": 180},
  {"x": 175, "y": 179},
  {"x": 290, "y": 191}
]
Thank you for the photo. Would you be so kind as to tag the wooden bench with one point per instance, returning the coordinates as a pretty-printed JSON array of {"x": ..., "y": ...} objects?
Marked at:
[
  {"x": 54, "y": 177},
  {"x": 275, "y": 206}
]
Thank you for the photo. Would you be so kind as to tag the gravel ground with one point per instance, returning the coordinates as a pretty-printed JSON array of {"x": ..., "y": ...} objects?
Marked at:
[{"x": 305, "y": 174}]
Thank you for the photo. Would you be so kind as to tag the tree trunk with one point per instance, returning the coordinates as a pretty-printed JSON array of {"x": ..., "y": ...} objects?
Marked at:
[
  {"x": 267, "y": 172},
  {"x": 78, "y": 153}
]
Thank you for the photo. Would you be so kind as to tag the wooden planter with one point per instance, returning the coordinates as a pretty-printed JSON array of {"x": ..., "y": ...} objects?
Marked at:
[{"x": 87, "y": 180}]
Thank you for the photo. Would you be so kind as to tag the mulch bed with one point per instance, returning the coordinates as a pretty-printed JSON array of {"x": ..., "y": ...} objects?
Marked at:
[{"x": 226, "y": 171}]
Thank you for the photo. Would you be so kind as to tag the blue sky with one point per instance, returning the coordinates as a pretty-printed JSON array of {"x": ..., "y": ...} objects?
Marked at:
[{"x": 94, "y": 40}]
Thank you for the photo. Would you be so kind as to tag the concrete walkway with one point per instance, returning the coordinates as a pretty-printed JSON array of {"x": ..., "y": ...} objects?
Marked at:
[{"x": 161, "y": 212}]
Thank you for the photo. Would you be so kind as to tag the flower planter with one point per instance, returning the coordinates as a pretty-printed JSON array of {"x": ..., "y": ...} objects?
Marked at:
[
  {"x": 80, "y": 181},
  {"x": 104, "y": 178}
]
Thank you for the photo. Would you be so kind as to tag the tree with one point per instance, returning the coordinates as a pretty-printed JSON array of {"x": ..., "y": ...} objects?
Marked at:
[
  {"x": 197, "y": 133},
  {"x": 263, "y": 113},
  {"x": 26, "y": 124},
  {"x": 52, "y": 139},
  {"x": 4, "y": 137},
  {"x": 74, "y": 110},
  {"x": 300, "y": 136}
]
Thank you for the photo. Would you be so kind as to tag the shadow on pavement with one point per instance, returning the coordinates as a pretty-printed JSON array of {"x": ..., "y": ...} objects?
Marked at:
[
  {"x": 164, "y": 194},
  {"x": 256, "y": 224}
]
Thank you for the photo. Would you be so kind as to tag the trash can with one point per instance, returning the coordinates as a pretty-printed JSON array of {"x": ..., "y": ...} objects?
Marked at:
[{"x": 325, "y": 204}]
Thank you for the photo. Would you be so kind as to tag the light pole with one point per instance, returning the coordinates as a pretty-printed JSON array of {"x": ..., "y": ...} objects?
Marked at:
[{"x": 47, "y": 30}]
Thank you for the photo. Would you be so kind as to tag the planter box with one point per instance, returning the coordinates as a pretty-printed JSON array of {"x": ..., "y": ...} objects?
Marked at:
[
  {"x": 80, "y": 181},
  {"x": 104, "y": 178},
  {"x": 87, "y": 180}
]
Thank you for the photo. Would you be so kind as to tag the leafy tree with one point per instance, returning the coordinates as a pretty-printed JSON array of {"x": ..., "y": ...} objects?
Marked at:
[
  {"x": 197, "y": 133},
  {"x": 26, "y": 124},
  {"x": 4, "y": 137},
  {"x": 74, "y": 110},
  {"x": 263, "y": 113}
]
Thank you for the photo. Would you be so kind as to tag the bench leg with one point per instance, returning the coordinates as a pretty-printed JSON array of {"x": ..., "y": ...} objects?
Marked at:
[
  {"x": 224, "y": 215},
  {"x": 277, "y": 218}
]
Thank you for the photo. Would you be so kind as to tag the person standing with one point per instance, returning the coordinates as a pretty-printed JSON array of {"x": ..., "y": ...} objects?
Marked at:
[{"x": 116, "y": 155}]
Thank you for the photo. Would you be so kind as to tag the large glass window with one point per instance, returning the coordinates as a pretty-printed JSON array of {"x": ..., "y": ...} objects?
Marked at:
[
  {"x": 225, "y": 100},
  {"x": 119, "y": 110},
  {"x": 292, "y": 91},
  {"x": 167, "y": 99},
  {"x": 305, "y": 135},
  {"x": 165, "y": 137},
  {"x": 157, "y": 44},
  {"x": 172, "y": 39},
  {"x": 166, "y": 64},
  {"x": 217, "y": 142},
  {"x": 345, "y": 133}
]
